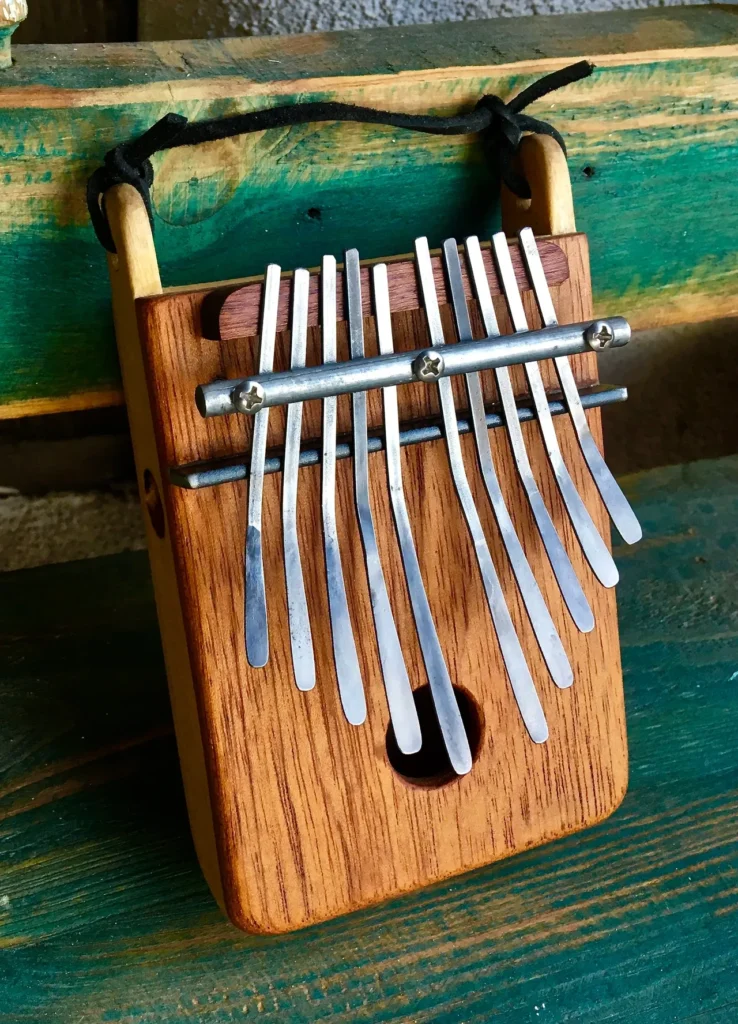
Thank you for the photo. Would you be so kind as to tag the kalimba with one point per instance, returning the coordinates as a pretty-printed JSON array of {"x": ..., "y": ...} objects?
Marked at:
[{"x": 377, "y": 519}]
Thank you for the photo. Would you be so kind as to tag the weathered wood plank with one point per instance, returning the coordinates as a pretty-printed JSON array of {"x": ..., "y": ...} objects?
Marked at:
[
  {"x": 607, "y": 35},
  {"x": 104, "y": 916},
  {"x": 651, "y": 134}
]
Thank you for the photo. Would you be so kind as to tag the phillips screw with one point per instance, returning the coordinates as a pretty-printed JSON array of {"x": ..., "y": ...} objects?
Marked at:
[
  {"x": 428, "y": 366},
  {"x": 249, "y": 397},
  {"x": 600, "y": 335}
]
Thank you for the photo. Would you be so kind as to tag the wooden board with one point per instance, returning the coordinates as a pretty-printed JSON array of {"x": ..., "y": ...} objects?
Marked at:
[
  {"x": 298, "y": 795},
  {"x": 650, "y": 135},
  {"x": 104, "y": 915}
]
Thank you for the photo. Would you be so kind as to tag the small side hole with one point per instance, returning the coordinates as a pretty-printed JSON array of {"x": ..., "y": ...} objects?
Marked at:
[
  {"x": 431, "y": 766},
  {"x": 588, "y": 171},
  {"x": 153, "y": 503},
  {"x": 315, "y": 213}
]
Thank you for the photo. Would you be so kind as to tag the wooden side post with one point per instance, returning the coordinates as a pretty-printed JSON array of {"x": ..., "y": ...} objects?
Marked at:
[
  {"x": 550, "y": 210},
  {"x": 134, "y": 273}
]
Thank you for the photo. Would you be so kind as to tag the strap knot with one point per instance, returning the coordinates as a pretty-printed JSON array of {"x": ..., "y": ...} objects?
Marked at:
[{"x": 129, "y": 163}]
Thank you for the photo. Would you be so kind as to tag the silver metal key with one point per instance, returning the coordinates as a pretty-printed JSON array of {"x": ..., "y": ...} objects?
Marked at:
[
  {"x": 255, "y": 607},
  {"x": 592, "y": 543},
  {"x": 400, "y": 699},
  {"x": 613, "y": 498},
  {"x": 512, "y": 653},
  {"x": 540, "y": 618},
  {"x": 348, "y": 673},
  {"x": 301, "y": 640},
  {"x": 442, "y": 691},
  {"x": 571, "y": 588}
]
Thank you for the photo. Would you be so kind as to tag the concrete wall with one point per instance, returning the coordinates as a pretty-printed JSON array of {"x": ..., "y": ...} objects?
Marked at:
[{"x": 183, "y": 19}]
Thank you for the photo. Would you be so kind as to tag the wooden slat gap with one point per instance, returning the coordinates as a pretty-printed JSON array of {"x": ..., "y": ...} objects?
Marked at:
[{"x": 229, "y": 315}]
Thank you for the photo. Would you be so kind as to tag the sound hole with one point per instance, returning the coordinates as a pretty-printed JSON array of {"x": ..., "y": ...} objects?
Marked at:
[{"x": 431, "y": 766}]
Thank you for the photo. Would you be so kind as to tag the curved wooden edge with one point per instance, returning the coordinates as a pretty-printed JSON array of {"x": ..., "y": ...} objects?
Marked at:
[
  {"x": 134, "y": 266},
  {"x": 134, "y": 273},
  {"x": 550, "y": 211}
]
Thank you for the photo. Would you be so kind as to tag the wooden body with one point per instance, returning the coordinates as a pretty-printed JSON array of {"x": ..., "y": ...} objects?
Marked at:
[{"x": 297, "y": 815}]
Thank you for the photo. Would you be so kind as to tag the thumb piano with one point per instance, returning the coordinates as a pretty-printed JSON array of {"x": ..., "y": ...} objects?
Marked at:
[{"x": 378, "y": 519}]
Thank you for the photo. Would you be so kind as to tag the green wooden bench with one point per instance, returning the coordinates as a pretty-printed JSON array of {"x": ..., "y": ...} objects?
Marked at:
[{"x": 104, "y": 915}]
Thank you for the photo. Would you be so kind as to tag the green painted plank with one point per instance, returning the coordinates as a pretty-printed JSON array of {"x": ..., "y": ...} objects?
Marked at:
[
  {"x": 659, "y": 132},
  {"x": 105, "y": 917},
  {"x": 226, "y": 216}
]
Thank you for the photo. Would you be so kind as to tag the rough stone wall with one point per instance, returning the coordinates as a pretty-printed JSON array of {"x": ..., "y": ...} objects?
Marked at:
[{"x": 162, "y": 19}]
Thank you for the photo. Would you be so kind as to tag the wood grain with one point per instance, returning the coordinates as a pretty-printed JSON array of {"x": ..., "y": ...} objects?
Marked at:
[
  {"x": 294, "y": 787},
  {"x": 105, "y": 917},
  {"x": 550, "y": 209},
  {"x": 232, "y": 315}
]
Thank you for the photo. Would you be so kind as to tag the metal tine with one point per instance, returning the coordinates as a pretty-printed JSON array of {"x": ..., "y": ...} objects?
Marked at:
[
  {"x": 442, "y": 691},
  {"x": 348, "y": 673},
  {"x": 255, "y": 607},
  {"x": 592, "y": 543},
  {"x": 400, "y": 700},
  {"x": 613, "y": 498},
  {"x": 301, "y": 640},
  {"x": 571, "y": 588},
  {"x": 512, "y": 653},
  {"x": 540, "y": 618}
]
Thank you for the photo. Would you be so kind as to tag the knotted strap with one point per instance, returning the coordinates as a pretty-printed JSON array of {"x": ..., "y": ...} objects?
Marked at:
[{"x": 501, "y": 125}]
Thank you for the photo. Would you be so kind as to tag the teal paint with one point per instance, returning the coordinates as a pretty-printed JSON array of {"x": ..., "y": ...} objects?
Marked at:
[
  {"x": 660, "y": 210},
  {"x": 65, "y": 343}
]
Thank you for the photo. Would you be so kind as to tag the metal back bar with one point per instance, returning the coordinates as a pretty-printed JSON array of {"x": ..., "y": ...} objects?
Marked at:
[{"x": 212, "y": 472}]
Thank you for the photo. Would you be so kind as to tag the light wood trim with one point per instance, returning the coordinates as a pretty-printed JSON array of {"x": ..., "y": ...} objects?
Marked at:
[
  {"x": 134, "y": 273},
  {"x": 550, "y": 211}
]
